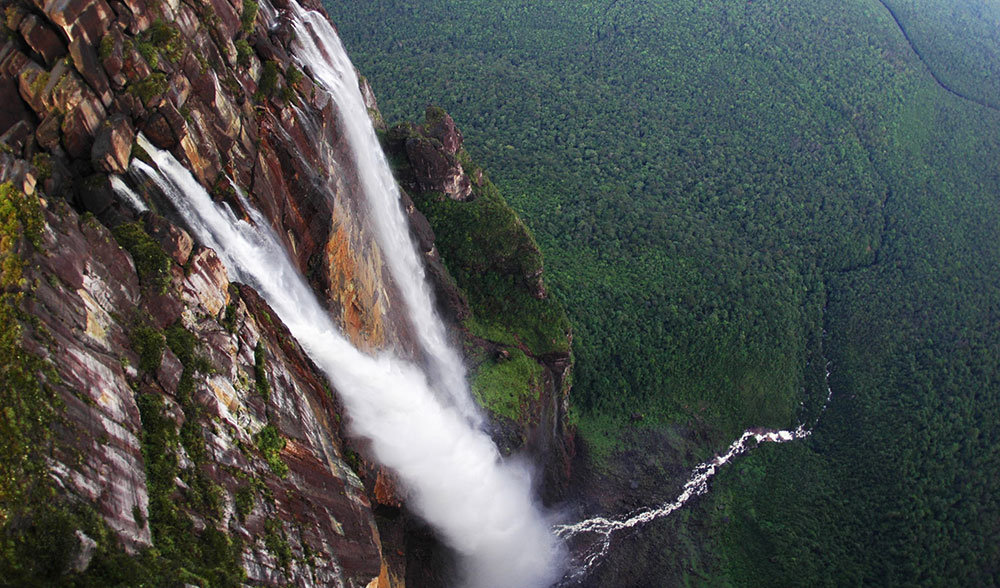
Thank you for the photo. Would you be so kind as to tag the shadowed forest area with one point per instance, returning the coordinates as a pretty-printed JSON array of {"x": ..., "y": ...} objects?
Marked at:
[{"x": 731, "y": 195}]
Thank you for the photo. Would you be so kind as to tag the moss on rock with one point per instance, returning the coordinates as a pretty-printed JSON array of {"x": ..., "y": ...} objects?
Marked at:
[
  {"x": 151, "y": 261},
  {"x": 507, "y": 386}
]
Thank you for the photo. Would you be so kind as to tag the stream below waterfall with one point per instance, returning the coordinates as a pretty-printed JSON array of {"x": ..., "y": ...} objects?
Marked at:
[{"x": 592, "y": 537}]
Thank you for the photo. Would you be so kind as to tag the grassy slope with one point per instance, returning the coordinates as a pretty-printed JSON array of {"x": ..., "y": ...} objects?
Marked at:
[{"x": 704, "y": 179}]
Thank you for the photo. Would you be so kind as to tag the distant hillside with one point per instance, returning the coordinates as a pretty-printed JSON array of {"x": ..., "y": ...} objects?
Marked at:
[{"x": 959, "y": 42}]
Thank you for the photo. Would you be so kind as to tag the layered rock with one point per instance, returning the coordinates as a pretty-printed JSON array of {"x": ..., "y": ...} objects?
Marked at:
[
  {"x": 80, "y": 80},
  {"x": 431, "y": 151},
  {"x": 225, "y": 97},
  {"x": 94, "y": 313},
  {"x": 188, "y": 419}
]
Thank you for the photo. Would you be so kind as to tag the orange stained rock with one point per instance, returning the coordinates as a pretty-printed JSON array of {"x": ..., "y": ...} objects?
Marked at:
[
  {"x": 385, "y": 490},
  {"x": 352, "y": 286}
]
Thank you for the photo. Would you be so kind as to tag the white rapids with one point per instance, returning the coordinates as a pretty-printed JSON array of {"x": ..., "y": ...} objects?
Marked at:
[
  {"x": 696, "y": 485},
  {"x": 127, "y": 194},
  {"x": 602, "y": 528}
]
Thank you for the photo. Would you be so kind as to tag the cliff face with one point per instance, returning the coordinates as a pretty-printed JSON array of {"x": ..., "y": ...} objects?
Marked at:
[
  {"x": 162, "y": 418},
  {"x": 251, "y": 430},
  {"x": 516, "y": 337}
]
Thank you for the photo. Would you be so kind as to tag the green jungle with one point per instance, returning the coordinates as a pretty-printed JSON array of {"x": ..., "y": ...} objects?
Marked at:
[{"x": 733, "y": 197}]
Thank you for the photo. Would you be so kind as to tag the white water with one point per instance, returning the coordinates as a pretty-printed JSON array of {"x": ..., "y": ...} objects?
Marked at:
[
  {"x": 481, "y": 506},
  {"x": 696, "y": 485},
  {"x": 127, "y": 194},
  {"x": 318, "y": 47},
  {"x": 602, "y": 528}
]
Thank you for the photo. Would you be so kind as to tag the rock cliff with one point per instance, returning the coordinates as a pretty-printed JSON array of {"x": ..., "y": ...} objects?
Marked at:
[
  {"x": 161, "y": 425},
  {"x": 516, "y": 336}
]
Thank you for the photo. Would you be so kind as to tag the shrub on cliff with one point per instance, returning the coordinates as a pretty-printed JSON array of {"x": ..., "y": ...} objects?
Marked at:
[
  {"x": 26, "y": 403},
  {"x": 151, "y": 262}
]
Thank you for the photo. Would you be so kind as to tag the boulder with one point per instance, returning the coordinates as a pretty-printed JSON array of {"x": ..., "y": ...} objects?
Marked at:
[
  {"x": 42, "y": 39},
  {"x": 178, "y": 90},
  {"x": 33, "y": 82},
  {"x": 12, "y": 108},
  {"x": 18, "y": 172},
  {"x": 86, "y": 62},
  {"x": 175, "y": 241},
  {"x": 207, "y": 283},
  {"x": 18, "y": 137},
  {"x": 112, "y": 58},
  {"x": 96, "y": 194},
  {"x": 88, "y": 19},
  {"x": 158, "y": 131},
  {"x": 142, "y": 16},
  {"x": 48, "y": 133},
  {"x": 80, "y": 126},
  {"x": 113, "y": 145},
  {"x": 228, "y": 23},
  {"x": 436, "y": 170},
  {"x": 134, "y": 67}
]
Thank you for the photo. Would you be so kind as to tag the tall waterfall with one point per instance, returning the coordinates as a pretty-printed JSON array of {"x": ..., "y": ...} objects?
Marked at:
[
  {"x": 317, "y": 47},
  {"x": 481, "y": 506}
]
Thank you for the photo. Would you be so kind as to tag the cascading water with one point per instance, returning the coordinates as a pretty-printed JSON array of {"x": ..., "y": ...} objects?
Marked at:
[
  {"x": 318, "y": 48},
  {"x": 481, "y": 506},
  {"x": 602, "y": 528},
  {"x": 127, "y": 195},
  {"x": 696, "y": 485}
]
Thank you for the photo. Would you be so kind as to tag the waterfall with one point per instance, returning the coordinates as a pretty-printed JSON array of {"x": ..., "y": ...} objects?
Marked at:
[
  {"x": 696, "y": 485},
  {"x": 127, "y": 195},
  {"x": 482, "y": 506},
  {"x": 317, "y": 46}
]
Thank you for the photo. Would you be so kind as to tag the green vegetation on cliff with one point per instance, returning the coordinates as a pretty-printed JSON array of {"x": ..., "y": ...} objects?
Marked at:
[
  {"x": 497, "y": 265},
  {"x": 26, "y": 402},
  {"x": 716, "y": 184},
  {"x": 151, "y": 262},
  {"x": 209, "y": 557},
  {"x": 505, "y": 386},
  {"x": 43, "y": 533},
  {"x": 490, "y": 253}
]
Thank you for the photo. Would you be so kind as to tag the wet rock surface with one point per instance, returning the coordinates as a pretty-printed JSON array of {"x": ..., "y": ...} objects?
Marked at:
[
  {"x": 212, "y": 82},
  {"x": 91, "y": 303},
  {"x": 80, "y": 80}
]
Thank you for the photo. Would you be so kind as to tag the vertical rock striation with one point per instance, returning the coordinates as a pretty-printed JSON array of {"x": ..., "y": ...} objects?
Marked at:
[{"x": 188, "y": 436}]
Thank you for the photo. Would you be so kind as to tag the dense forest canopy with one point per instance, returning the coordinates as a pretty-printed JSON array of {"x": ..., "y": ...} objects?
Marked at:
[
  {"x": 959, "y": 42},
  {"x": 730, "y": 195}
]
